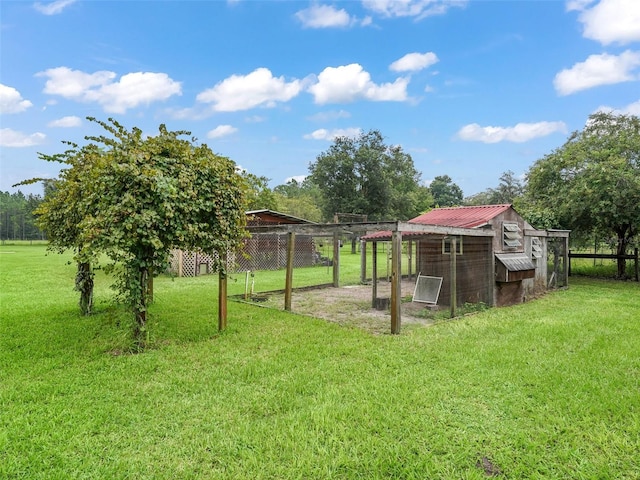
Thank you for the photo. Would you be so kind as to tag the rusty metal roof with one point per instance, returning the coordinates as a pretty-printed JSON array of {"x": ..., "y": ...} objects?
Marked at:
[{"x": 465, "y": 217}]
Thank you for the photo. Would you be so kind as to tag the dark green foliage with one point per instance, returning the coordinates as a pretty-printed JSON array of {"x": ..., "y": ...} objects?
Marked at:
[
  {"x": 591, "y": 184},
  {"x": 17, "y": 220},
  {"x": 366, "y": 176},
  {"x": 509, "y": 190},
  {"x": 445, "y": 193}
]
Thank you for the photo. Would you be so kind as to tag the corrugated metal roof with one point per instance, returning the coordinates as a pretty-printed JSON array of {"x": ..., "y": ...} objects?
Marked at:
[
  {"x": 273, "y": 213},
  {"x": 466, "y": 217},
  {"x": 515, "y": 262}
]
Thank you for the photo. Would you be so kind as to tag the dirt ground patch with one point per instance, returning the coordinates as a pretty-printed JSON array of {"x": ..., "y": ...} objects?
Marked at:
[{"x": 351, "y": 306}]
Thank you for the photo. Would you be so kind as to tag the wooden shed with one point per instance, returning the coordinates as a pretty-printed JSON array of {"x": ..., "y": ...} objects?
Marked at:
[{"x": 502, "y": 269}]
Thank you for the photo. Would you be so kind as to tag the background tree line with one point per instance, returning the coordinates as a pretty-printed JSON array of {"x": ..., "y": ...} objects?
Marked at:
[{"x": 17, "y": 220}]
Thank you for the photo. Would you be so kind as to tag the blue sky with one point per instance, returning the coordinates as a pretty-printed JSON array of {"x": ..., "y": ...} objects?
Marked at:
[{"x": 469, "y": 89}]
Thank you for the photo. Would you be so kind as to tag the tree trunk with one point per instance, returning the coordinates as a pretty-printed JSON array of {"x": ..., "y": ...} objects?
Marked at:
[
  {"x": 84, "y": 284},
  {"x": 623, "y": 242},
  {"x": 140, "y": 310}
]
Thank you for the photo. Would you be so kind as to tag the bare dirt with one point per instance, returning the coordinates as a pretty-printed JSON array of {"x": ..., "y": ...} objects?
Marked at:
[{"x": 352, "y": 306}]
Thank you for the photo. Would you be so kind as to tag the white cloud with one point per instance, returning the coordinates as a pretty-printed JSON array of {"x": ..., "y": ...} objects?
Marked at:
[
  {"x": 324, "y": 16},
  {"x": 221, "y": 131},
  {"x": 631, "y": 109},
  {"x": 259, "y": 88},
  {"x": 522, "y": 132},
  {"x": 52, "y": 8},
  {"x": 578, "y": 4},
  {"x": 324, "y": 134},
  {"x": 132, "y": 90},
  {"x": 603, "y": 69},
  {"x": 13, "y": 138},
  {"x": 330, "y": 116},
  {"x": 412, "y": 8},
  {"x": 609, "y": 21},
  {"x": 11, "y": 101},
  {"x": 350, "y": 82},
  {"x": 413, "y": 62},
  {"x": 66, "y": 122}
]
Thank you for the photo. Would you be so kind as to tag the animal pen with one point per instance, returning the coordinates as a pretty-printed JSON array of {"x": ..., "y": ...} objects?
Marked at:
[{"x": 501, "y": 261}]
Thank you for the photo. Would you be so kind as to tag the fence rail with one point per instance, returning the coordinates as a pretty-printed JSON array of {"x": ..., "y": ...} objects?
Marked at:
[{"x": 608, "y": 256}]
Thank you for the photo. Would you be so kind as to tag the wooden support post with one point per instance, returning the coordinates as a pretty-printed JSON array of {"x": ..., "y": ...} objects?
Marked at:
[
  {"x": 336, "y": 259},
  {"x": 396, "y": 281},
  {"x": 635, "y": 253},
  {"x": 363, "y": 261},
  {"x": 374, "y": 273},
  {"x": 409, "y": 257},
  {"x": 566, "y": 262},
  {"x": 180, "y": 263},
  {"x": 222, "y": 299},
  {"x": 288, "y": 288},
  {"x": 453, "y": 274}
]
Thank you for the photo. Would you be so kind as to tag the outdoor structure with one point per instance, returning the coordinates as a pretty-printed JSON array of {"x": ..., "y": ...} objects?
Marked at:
[
  {"x": 485, "y": 254},
  {"x": 266, "y": 251},
  {"x": 514, "y": 263}
]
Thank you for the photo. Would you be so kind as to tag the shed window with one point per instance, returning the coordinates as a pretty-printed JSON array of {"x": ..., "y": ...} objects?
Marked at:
[
  {"x": 446, "y": 246},
  {"x": 511, "y": 236}
]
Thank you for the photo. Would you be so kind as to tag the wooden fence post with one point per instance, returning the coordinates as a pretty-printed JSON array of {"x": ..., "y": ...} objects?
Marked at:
[
  {"x": 396, "y": 281},
  {"x": 291, "y": 242},
  {"x": 222, "y": 294},
  {"x": 454, "y": 277}
]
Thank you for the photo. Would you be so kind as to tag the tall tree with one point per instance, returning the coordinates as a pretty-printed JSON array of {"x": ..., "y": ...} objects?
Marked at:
[
  {"x": 591, "y": 184},
  {"x": 509, "y": 190},
  {"x": 445, "y": 193},
  {"x": 363, "y": 175}
]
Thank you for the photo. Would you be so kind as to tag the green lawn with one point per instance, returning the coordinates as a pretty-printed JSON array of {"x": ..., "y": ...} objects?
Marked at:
[{"x": 548, "y": 389}]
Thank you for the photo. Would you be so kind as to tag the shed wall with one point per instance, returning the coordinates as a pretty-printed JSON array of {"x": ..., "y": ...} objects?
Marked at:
[{"x": 474, "y": 268}]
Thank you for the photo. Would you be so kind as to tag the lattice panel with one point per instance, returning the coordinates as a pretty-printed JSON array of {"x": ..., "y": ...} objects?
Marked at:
[{"x": 269, "y": 252}]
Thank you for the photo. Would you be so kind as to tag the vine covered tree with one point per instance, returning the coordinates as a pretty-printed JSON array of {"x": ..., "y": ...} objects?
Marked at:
[
  {"x": 591, "y": 184},
  {"x": 139, "y": 197},
  {"x": 363, "y": 175}
]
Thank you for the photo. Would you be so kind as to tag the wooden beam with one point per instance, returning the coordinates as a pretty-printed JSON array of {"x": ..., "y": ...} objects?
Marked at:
[
  {"x": 348, "y": 228},
  {"x": 336, "y": 259},
  {"x": 222, "y": 300},
  {"x": 374, "y": 274},
  {"x": 453, "y": 274},
  {"x": 288, "y": 288},
  {"x": 363, "y": 261},
  {"x": 396, "y": 282}
]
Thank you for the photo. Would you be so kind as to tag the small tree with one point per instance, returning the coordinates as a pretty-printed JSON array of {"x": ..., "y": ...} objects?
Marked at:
[
  {"x": 592, "y": 183},
  {"x": 134, "y": 199},
  {"x": 150, "y": 195}
]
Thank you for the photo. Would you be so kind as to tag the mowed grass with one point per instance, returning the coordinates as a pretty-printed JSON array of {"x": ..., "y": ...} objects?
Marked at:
[{"x": 548, "y": 389}]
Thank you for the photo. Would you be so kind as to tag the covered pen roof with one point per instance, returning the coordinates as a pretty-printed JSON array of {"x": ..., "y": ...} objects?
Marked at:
[{"x": 460, "y": 217}]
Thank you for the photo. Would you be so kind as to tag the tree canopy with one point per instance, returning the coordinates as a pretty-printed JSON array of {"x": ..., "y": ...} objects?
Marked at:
[
  {"x": 509, "y": 190},
  {"x": 591, "y": 184},
  {"x": 445, "y": 193},
  {"x": 135, "y": 198},
  {"x": 363, "y": 175}
]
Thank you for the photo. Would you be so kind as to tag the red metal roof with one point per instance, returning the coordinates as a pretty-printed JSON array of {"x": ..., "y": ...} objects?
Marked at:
[{"x": 465, "y": 217}]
